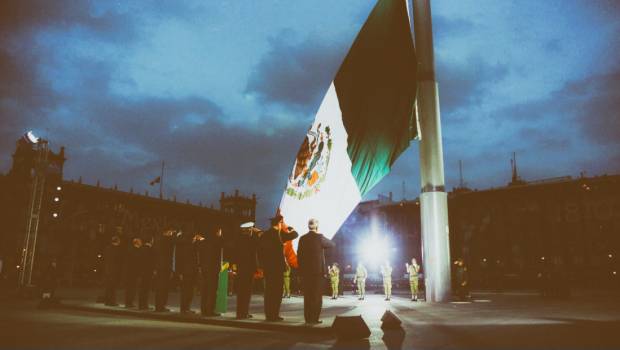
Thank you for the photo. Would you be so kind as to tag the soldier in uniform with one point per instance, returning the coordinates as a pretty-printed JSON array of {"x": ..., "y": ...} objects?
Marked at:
[
  {"x": 164, "y": 251},
  {"x": 113, "y": 256},
  {"x": 246, "y": 259},
  {"x": 360, "y": 280},
  {"x": 210, "y": 256},
  {"x": 462, "y": 279},
  {"x": 386, "y": 272},
  {"x": 334, "y": 278},
  {"x": 413, "y": 270},
  {"x": 287, "y": 282},
  {"x": 271, "y": 256},
  {"x": 147, "y": 267},
  {"x": 132, "y": 271}
]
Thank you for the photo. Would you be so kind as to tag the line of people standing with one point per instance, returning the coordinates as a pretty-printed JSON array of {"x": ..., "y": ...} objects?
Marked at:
[
  {"x": 189, "y": 255},
  {"x": 155, "y": 262},
  {"x": 361, "y": 274},
  {"x": 196, "y": 256}
]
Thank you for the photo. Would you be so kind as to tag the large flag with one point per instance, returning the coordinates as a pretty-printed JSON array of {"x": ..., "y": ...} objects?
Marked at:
[{"x": 365, "y": 121}]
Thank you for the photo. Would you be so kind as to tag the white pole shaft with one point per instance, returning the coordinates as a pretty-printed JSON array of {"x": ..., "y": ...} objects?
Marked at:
[{"x": 433, "y": 197}]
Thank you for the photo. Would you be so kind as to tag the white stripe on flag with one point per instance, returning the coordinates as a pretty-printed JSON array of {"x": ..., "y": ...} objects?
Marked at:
[{"x": 337, "y": 194}]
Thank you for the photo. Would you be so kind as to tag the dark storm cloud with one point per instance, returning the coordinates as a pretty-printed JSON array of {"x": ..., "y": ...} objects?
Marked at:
[
  {"x": 27, "y": 16},
  {"x": 296, "y": 74},
  {"x": 576, "y": 127},
  {"x": 597, "y": 112},
  {"x": 465, "y": 85},
  {"x": 590, "y": 106},
  {"x": 122, "y": 139},
  {"x": 119, "y": 139}
]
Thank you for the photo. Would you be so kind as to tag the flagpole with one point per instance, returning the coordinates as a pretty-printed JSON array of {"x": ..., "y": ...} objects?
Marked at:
[
  {"x": 433, "y": 196},
  {"x": 161, "y": 181}
]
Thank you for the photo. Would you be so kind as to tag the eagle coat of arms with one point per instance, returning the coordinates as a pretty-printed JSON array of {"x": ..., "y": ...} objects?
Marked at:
[{"x": 311, "y": 163}]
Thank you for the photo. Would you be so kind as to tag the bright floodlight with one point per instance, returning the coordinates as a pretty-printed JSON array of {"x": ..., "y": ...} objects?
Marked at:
[
  {"x": 30, "y": 136},
  {"x": 374, "y": 250},
  {"x": 55, "y": 215}
]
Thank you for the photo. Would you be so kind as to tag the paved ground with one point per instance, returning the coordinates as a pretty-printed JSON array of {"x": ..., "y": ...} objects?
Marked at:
[{"x": 491, "y": 321}]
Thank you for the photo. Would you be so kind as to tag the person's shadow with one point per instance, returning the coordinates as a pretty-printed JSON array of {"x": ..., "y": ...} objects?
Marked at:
[
  {"x": 394, "y": 338},
  {"x": 346, "y": 344}
]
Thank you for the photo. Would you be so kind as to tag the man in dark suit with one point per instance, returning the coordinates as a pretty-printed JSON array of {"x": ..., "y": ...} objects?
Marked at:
[
  {"x": 247, "y": 262},
  {"x": 271, "y": 257},
  {"x": 311, "y": 258},
  {"x": 164, "y": 251},
  {"x": 210, "y": 257}
]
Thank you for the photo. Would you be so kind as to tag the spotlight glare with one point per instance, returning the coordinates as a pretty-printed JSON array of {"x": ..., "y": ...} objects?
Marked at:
[
  {"x": 55, "y": 215},
  {"x": 374, "y": 250}
]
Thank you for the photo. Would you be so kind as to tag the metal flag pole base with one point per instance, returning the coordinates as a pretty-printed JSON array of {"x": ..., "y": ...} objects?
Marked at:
[{"x": 434, "y": 215}]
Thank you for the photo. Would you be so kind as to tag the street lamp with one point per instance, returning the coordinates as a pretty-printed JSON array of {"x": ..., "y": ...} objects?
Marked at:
[{"x": 30, "y": 137}]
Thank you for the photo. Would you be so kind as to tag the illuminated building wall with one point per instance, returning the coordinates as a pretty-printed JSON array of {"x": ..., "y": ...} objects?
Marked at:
[{"x": 507, "y": 235}]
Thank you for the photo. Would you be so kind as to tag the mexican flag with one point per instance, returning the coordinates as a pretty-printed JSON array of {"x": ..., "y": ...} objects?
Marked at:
[{"x": 365, "y": 121}]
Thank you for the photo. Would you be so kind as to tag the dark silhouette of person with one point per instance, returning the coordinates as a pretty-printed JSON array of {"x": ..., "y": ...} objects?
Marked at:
[
  {"x": 147, "y": 268},
  {"x": 186, "y": 266},
  {"x": 246, "y": 258},
  {"x": 132, "y": 271},
  {"x": 164, "y": 251},
  {"x": 312, "y": 268},
  {"x": 210, "y": 257},
  {"x": 113, "y": 258},
  {"x": 49, "y": 282},
  {"x": 271, "y": 258},
  {"x": 462, "y": 279}
]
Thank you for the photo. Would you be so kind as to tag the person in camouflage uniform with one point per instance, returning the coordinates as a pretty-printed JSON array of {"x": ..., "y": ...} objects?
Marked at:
[
  {"x": 386, "y": 272},
  {"x": 360, "y": 278},
  {"x": 334, "y": 278},
  {"x": 414, "y": 271},
  {"x": 287, "y": 282}
]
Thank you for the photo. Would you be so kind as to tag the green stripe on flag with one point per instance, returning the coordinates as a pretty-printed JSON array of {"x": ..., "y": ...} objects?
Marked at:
[{"x": 376, "y": 88}]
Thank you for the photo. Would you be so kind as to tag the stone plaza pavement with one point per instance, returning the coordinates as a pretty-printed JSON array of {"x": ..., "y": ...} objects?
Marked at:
[{"x": 489, "y": 320}]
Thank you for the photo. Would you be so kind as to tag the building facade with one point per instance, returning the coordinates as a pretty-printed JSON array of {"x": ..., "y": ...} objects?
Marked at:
[
  {"x": 507, "y": 235},
  {"x": 77, "y": 221}
]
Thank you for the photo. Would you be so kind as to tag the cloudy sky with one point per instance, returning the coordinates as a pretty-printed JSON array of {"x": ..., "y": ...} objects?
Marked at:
[{"x": 223, "y": 91}]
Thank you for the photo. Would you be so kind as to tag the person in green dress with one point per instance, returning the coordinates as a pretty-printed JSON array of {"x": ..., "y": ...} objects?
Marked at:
[{"x": 221, "y": 300}]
